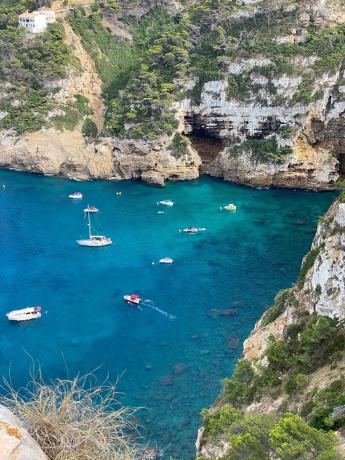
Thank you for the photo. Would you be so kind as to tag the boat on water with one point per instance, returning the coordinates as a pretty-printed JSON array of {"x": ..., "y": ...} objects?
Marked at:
[
  {"x": 91, "y": 209},
  {"x": 191, "y": 230},
  {"x": 95, "y": 241},
  {"x": 76, "y": 196},
  {"x": 132, "y": 299},
  {"x": 230, "y": 207},
  {"x": 166, "y": 260},
  {"x": 166, "y": 203},
  {"x": 25, "y": 314}
]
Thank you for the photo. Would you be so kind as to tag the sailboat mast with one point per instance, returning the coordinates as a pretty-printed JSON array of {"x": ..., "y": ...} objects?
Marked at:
[{"x": 89, "y": 224}]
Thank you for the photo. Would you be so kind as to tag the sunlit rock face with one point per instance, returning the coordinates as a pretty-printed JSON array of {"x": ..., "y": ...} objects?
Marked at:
[
  {"x": 15, "y": 441},
  {"x": 327, "y": 278},
  {"x": 315, "y": 139},
  {"x": 304, "y": 137}
]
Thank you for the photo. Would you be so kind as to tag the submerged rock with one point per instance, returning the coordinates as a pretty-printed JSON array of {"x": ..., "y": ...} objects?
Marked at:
[
  {"x": 218, "y": 312},
  {"x": 167, "y": 380},
  {"x": 180, "y": 368},
  {"x": 233, "y": 342}
]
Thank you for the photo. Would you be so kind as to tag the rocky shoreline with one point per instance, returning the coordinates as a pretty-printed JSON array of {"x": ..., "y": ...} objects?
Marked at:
[{"x": 68, "y": 154}]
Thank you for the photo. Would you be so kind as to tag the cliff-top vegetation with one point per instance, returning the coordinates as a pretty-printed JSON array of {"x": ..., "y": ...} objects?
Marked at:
[
  {"x": 27, "y": 65},
  {"x": 75, "y": 419},
  {"x": 163, "y": 58}
]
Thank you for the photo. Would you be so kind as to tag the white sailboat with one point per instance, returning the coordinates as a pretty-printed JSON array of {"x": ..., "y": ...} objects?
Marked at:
[{"x": 94, "y": 240}]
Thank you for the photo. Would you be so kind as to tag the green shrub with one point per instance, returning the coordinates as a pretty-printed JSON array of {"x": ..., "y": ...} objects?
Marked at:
[
  {"x": 179, "y": 145},
  {"x": 239, "y": 389},
  {"x": 68, "y": 121},
  {"x": 292, "y": 439},
  {"x": 81, "y": 104},
  {"x": 26, "y": 66},
  {"x": 284, "y": 299},
  {"x": 89, "y": 128},
  {"x": 323, "y": 404},
  {"x": 220, "y": 420},
  {"x": 241, "y": 86},
  {"x": 266, "y": 150},
  {"x": 308, "y": 263}
]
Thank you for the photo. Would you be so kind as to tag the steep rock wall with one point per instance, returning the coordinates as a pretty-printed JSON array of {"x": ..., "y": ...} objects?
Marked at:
[
  {"x": 317, "y": 144},
  {"x": 318, "y": 293},
  {"x": 68, "y": 154},
  {"x": 273, "y": 124}
]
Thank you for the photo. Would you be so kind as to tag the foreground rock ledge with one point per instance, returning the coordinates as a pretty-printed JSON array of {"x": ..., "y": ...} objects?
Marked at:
[{"x": 15, "y": 441}]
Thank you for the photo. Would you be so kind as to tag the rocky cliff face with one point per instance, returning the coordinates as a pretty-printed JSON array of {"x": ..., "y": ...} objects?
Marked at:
[
  {"x": 322, "y": 291},
  {"x": 65, "y": 151},
  {"x": 274, "y": 116},
  {"x": 68, "y": 154},
  {"x": 292, "y": 366},
  {"x": 297, "y": 117}
]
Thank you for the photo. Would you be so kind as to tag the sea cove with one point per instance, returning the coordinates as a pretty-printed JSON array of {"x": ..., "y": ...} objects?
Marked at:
[{"x": 172, "y": 354}]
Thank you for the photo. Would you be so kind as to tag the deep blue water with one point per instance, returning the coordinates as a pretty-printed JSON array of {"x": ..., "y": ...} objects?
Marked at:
[{"x": 240, "y": 262}]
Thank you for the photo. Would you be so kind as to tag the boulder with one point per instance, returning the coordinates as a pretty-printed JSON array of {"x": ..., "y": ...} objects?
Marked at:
[{"x": 15, "y": 441}]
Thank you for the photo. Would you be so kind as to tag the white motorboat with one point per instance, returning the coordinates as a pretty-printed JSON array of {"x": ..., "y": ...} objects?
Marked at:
[
  {"x": 24, "y": 314},
  {"x": 190, "y": 230},
  {"x": 91, "y": 209},
  {"x": 166, "y": 260},
  {"x": 230, "y": 207},
  {"x": 166, "y": 203},
  {"x": 133, "y": 299},
  {"x": 76, "y": 196},
  {"x": 94, "y": 240}
]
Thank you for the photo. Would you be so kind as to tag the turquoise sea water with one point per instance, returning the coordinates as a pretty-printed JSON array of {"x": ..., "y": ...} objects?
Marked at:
[{"x": 171, "y": 367}]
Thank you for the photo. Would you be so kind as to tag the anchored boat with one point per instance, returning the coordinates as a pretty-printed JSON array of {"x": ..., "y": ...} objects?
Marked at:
[
  {"x": 76, "y": 196},
  {"x": 190, "y": 230},
  {"x": 94, "y": 240},
  {"x": 166, "y": 260},
  {"x": 91, "y": 209},
  {"x": 166, "y": 203},
  {"x": 24, "y": 314},
  {"x": 230, "y": 207}
]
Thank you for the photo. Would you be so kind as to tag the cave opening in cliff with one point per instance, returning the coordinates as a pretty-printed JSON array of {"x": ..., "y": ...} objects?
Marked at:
[
  {"x": 341, "y": 166},
  {"x": 204, "y": 140}
]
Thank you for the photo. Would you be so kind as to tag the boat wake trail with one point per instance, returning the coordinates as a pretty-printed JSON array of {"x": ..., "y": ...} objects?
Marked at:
[{"x": 150, "y": 304}]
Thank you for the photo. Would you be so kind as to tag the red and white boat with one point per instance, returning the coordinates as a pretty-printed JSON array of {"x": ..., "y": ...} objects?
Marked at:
[
  {"x": 133, "y": 299},
  {"x": 24, "y": 314}
]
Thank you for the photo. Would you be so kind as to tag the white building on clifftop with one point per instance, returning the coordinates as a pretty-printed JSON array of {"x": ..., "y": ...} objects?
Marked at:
[{"x": 36, "y": 21}]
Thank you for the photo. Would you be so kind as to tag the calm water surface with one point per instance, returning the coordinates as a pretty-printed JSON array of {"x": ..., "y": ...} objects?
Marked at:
[{"x": 172, "y": 367}]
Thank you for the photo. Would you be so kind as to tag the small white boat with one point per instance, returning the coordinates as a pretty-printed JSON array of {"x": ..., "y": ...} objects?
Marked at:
[
  {"x": 190, "y": 230},
  {"x": 166, "y": 260},
  {"x": 230, "y": 207},
  {"x": 91, "y": 209},
  {"x": 76, "y": 196},
  {"x": 166, "y": 203},
  {"x": 133, "y": 299},
  {"x": 24, "y": 314},
  {"x": 95, "y": 241}
]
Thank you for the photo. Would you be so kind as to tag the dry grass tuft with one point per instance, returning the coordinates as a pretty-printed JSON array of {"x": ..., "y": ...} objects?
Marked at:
[{"x": 74, "y": 420}]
